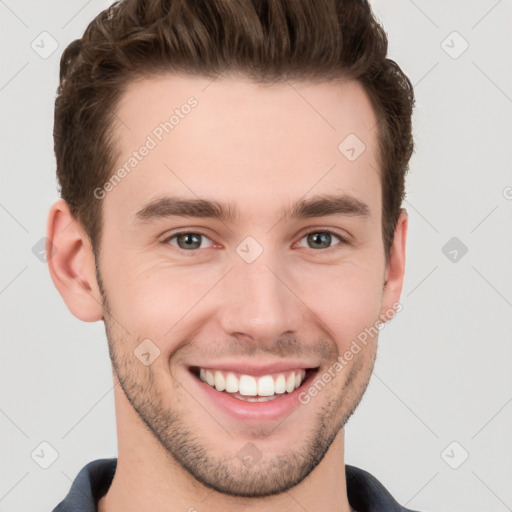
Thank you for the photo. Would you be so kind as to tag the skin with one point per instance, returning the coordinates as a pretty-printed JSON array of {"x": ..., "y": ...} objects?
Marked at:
[{"x": 260, "y": 147}]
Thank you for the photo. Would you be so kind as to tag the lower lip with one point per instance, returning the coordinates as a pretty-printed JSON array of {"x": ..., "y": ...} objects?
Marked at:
[{"x": 272, "y": 410}]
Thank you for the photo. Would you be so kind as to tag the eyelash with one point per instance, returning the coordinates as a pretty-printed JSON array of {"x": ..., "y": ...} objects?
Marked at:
[{"x": 343, "y": 240}]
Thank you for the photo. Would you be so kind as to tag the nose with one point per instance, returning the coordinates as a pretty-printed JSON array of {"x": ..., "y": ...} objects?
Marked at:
[{"x": 260, "y": 302}]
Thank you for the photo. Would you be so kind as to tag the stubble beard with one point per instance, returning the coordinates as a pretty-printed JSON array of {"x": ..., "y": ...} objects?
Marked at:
[{"x": 225, "y": 473}]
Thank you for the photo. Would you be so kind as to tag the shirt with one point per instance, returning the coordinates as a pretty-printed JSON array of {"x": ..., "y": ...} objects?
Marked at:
[{"x": 365, "y": 493}]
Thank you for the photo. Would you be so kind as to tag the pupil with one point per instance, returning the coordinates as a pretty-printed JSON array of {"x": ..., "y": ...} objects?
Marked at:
[
  {"x": 316, "y": 238},
  {"x": 191, "y": 241}
]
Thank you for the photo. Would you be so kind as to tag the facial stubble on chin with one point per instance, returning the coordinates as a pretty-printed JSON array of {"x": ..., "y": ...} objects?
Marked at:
[{"x": 225, "y": 473}]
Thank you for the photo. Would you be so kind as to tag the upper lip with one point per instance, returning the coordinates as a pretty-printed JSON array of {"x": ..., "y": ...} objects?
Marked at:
[{"x": 257, "y": 369}]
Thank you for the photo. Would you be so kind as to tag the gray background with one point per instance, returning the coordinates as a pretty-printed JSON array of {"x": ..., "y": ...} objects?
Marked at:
[{"x": 443, "y": 369}]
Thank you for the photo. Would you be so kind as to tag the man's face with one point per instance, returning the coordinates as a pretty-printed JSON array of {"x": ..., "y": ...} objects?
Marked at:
[{"x": 262, "y": 292}]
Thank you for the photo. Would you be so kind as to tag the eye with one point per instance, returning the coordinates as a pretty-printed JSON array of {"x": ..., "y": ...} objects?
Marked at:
[
  {"x": 321, "y": 239},
  {"x": 188, "y": 240}
]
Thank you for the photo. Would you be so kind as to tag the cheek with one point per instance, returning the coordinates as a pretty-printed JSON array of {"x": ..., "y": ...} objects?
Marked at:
[
  {"x": 348, "y": 301},
  {"x": 151, "y": 299}
]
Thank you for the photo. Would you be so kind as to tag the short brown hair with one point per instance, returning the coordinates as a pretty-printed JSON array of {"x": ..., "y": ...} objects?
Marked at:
[{"x": 265, "y": 40}]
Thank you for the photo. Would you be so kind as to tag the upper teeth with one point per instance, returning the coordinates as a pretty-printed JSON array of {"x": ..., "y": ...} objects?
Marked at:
[{"x": 247, "y": 385}]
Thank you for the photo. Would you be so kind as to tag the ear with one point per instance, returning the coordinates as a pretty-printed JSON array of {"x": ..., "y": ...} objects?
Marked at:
[
  {"x": 71, "y": 263},
  {"x": 395, "y": 269}
]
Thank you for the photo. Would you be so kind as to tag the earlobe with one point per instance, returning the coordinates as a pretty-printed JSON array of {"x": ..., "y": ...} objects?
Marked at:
[
  {"x": 71, "y": 263},
  {"x": 395, "y": 270}
]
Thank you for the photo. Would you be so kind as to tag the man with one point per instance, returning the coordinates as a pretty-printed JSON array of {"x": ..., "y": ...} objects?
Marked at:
[{"x": 231, "y": 177}]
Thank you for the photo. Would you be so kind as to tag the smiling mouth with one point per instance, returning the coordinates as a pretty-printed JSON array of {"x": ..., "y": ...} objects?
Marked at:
[{"x": 252, "y": 388}]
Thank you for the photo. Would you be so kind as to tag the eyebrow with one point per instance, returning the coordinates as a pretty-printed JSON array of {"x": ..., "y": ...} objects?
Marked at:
[{"x": 318, "y": 206}]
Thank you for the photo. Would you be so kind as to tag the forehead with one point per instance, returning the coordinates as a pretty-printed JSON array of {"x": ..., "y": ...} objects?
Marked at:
[{"x": 249, "y": 143}]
